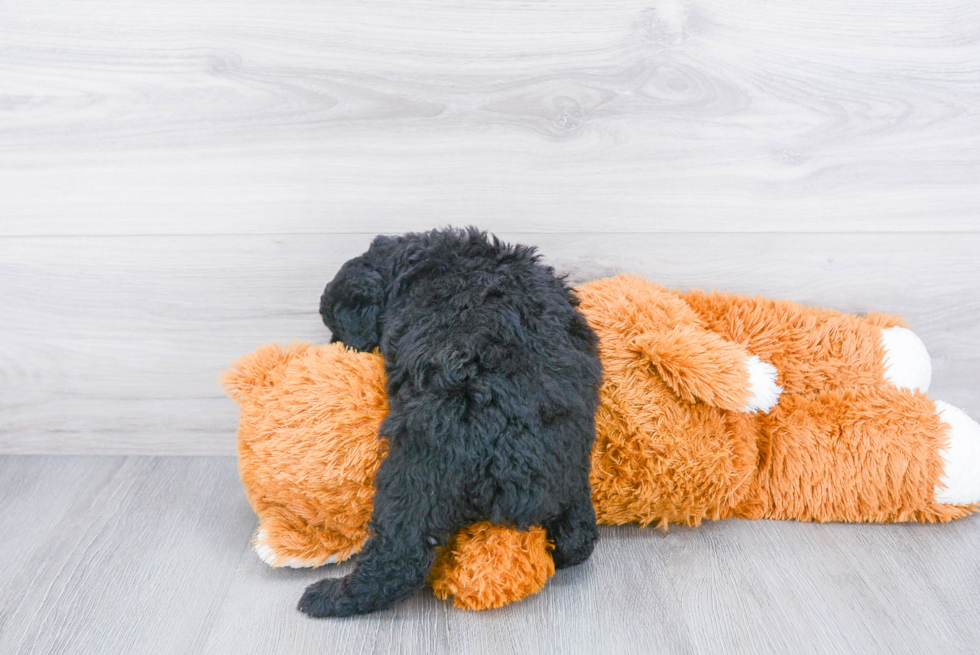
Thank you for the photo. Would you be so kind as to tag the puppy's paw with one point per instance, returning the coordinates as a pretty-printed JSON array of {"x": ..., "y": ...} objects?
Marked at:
[
  {"x": 325, "y": 598},
  {"x": 763, "y": 389},
  {"x": 574, "y": 555}
]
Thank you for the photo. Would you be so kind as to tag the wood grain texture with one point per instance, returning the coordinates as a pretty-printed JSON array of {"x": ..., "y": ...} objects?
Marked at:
[
  {"x": 116, "y": 555},
  {"x": 114, "y": 344},
  {"x": 574, "y": 116},
  {"x": 150, "y": 555}
]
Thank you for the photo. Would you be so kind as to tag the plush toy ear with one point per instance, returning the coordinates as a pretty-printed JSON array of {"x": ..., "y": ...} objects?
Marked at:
[{"x": 260, "y": 370}]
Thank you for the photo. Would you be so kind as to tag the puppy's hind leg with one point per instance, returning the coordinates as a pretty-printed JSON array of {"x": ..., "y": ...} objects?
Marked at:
[
  {"x": 408, "y": 523},
  {"x": 574, "y": 532}
]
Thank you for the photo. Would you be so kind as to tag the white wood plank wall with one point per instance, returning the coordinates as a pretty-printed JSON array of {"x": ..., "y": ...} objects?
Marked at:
[{"x": 179, "y": 179}]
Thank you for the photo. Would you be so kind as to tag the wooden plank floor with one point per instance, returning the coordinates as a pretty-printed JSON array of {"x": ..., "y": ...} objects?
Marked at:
[{"x": 150, "y": 555}]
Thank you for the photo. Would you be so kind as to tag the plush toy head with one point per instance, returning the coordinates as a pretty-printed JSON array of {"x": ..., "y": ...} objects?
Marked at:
[
  {"x": 688, "y": 428},
  {"x": 308, "y": 447}
]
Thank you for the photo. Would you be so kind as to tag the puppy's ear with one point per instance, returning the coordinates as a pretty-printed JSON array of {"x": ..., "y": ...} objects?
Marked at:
[
  {"x": 352, "y": 305},
  {"x": 362, "y": 329}
]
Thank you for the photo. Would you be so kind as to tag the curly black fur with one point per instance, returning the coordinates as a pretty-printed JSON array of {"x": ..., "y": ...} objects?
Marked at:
[{"x": 493, "y": 380}]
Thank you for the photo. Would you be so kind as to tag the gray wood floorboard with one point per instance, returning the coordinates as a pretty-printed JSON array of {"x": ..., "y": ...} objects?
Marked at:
[
  {"x": 150, "y": 555},
  {"x": 114, "y": 344},
  {"x": 116, "y": 555}
]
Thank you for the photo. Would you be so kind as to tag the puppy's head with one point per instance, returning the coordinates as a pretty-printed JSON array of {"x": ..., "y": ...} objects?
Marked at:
[{"x": 353, "y": 303}]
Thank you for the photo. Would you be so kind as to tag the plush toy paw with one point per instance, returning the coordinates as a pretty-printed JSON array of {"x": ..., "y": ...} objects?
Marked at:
[
  {"x": 906, "y": 362},
  {"x": 762, "y": 386},
  {"x": 960, "y": 484},
  {"x": 264, "y": 548}
]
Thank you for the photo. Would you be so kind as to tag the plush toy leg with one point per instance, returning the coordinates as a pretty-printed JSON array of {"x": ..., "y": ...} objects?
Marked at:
[
  {"x": 906, "y": 361},
  {"x": 270, "y": 553},
  {"x": 960, "y": 484},
  {"x": 485, "y": 566},
  {"x": 875, "y": 454},
  {"x": 295, "y": 544},
  {"x": 817, "y": 349}
]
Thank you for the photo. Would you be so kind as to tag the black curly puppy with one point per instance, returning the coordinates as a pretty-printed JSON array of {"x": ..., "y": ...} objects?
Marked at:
[{"x": 493, "y": 380}]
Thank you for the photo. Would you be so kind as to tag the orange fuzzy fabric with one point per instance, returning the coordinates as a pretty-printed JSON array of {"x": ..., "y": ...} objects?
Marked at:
[
  {"x": 814, "y": 349},
  {"x": 672, "y": 445},
  {"x": 486, "y": 566},
  {"x": 851, "y": 454},
  {"x": 308, "y": 445}
]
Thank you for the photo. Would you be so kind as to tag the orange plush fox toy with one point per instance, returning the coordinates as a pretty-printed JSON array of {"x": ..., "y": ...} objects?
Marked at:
[{"x": 713, "y": 406}]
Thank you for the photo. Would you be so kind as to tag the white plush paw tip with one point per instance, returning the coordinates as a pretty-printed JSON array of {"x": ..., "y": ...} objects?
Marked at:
[
  {"x": 906, "y": 362},
  {"x": 268, "y": 555},
  {"x": 762, "y": 386},
  {"x": 960, "y": 484}
]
